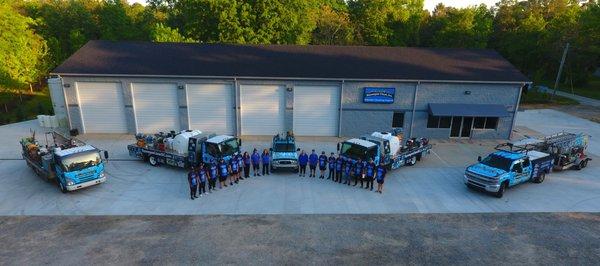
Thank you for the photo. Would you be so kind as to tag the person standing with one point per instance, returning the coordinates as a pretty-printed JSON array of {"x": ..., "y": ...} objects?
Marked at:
[
  {"x": 302, "y": 162},
  {"x": 348, "y": 171},
  {"x": 246, "y": 160},
  {"x": 234, "y": 168},
  {"x": 370, "y": 173},
  {"x": 381, "y": 171},
  {"x": 339, "y": 168},
  {"x": 223, "y": 173},
  {"x": 266, "y": 159},
  {"x": 358, "y": 172},
  {"x": 240, "y": 162},
  {"x": 214, "y": 174},
  {"x": 255, "y": 162},
  {"x": 322, "y": 164},
  {"x": 313, "y": 159},
  {"x": 193, "y": 181},
  {"x": 331, "y": 162},
  {"x": 202, "y": 177}
]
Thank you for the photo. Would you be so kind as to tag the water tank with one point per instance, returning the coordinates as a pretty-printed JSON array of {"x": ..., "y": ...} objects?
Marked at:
[{"x": 180, "y": 142}]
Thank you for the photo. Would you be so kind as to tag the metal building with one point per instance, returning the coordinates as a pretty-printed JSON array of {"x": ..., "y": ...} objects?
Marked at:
[{"x": 131, "y": 87}]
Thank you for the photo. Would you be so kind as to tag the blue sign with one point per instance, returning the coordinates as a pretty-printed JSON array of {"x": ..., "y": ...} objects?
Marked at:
[{"x": 379, "y": 95}]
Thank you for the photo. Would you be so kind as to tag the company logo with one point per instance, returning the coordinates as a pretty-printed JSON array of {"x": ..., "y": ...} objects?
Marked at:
[{"x": 379, "y": 95}]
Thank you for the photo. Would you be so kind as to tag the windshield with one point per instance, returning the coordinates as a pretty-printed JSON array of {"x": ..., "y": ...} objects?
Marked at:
[
  {"x": 357, "y": 152},
  {"x": 498, "y": 162},
  {"x": 80, "y": 161},
  {"x": 284, "y": 147}
]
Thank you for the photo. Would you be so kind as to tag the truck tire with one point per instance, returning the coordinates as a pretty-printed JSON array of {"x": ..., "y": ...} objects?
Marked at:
[
  {"x": 62, "y": 188},
  {"x": 501, "y": 191},
  {"x": 411, "y": 161},
  {"x": 152, "y": 160},
  {"x": 540, "y": 178},
  {"x": 582, "y": 164}
]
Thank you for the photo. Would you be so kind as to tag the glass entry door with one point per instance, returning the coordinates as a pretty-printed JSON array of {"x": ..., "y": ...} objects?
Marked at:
[{"x": 461, "y": 127}]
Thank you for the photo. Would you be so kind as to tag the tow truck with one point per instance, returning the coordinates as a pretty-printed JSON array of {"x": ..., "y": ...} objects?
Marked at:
[
  {"x": 69, "y": 162},
  {"x": 284, "y": 152},
  {"x": 184, "y": 149},
  {"x": 529, "y": 159},
  {"x": 385, "y": 147}
]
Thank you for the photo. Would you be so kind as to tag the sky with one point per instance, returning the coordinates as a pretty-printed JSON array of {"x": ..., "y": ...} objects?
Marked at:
[{"x": 429, "y": 4}]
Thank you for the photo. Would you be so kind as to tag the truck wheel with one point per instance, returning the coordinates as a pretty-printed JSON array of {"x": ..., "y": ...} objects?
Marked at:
[
  {"x": 581, "y": 165},
  {"x": 152, "y": 160},
  {"x": 62, "y": 188},
  {"x": 540, "y": 178},
  {"x": 500, "y": 192},
  {"x": 412, "y": 161}
]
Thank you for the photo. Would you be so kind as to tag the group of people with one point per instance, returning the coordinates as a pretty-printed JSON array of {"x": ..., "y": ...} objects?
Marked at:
[
  {"x": 238, "y": 168},
  {"x": 342, "y": 169}
]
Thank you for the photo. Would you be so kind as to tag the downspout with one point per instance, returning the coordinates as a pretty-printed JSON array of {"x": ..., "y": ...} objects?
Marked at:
[
  {"x": 62, "y": 87},
  {"x": 238, "y": 109},
  {"x": 514, "y": 118},
  {"x": 340, "y": 115},
  {"x": 412, "y": 118}
]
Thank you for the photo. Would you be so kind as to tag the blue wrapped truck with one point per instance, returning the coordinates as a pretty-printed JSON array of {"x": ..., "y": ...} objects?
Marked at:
[{"x": 284, "y": 152}]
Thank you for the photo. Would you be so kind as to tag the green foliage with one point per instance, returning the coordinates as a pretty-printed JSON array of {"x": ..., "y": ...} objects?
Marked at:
[
  {"x": 162, "y": 33},
  {"x": 333, "y": 27},
  {"x": 469, "y": 27}
]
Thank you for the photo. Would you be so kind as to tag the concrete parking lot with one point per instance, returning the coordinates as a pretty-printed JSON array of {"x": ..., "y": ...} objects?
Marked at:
[{"x": 432, "y": 186}]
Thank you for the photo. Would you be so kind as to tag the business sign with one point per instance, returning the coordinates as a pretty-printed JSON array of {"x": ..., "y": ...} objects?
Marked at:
[{"x": 379, "y": 95}]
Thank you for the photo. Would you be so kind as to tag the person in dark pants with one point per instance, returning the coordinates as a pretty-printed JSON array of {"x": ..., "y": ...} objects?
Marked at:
[
  {"x": 313, "y": 159},
  {"x": 234, "y": 169},
  {"x": 240, "y": 162},
  {"x": 339, "y": 167},
  {"x": 322, "y": 164},
  {"x": 348, "y": 171},
  {"x": 266, "y": 159},
  {"x": 331, "y": 165},
  {"x": 255, "y": 162},
  {"x": 212, "y": 180},
  {"x": 193, "y": 180},
  {"x": 381, "y": 171},
  {"x": 247, "y": 160},
  {"x": 370, "y": 173},
  {"x": 302, "y": 162},
  {"x": 202, "y": 177},
  {"x": 358, "y": 172},
  {"x": 223, "y": 173}
]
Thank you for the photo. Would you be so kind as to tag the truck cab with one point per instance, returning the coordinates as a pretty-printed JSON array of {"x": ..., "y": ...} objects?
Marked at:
[
  {"x": 503, "y": 169},
  {"x": 78, "y": 167},
  {"x": 355, "y": 149},
  {"x": 212, "y": 148},
  {"x": 284, "y": 152}
]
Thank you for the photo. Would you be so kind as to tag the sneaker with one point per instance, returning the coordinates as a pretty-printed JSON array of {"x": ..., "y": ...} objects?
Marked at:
[
  {"x": 225, "y": 185},
  {"x": 192, "y": 198},
  {"x": 241, "y": 178},
  {"x": 197, "y": 196}
]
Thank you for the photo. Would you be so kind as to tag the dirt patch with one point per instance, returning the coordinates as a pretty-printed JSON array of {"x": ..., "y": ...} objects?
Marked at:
[{"x": 583, "y": 111}]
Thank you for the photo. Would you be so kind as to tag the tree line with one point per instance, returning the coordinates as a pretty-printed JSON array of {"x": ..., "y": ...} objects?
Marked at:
[{"x": 37, "y": 35}]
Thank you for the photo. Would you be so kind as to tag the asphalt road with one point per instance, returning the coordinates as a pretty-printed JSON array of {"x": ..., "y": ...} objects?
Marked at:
[{"x": 465, "y": 239}]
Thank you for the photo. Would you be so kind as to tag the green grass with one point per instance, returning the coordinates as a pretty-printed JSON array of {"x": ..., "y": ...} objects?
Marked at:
[
  {"x": 590, "y": 90},
  {"x": 26, "y": 107},
  {"x": 537, "y": 97}
]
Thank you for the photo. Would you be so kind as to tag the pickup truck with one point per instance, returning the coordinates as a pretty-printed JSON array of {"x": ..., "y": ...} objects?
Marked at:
[
  {"x": 70, "y": 162},
  {"x": 503, "y": 169},
  {"x": 284, "y": 152}
]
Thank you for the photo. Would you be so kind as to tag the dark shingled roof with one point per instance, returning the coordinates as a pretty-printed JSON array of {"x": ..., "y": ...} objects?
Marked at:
[{"x": 289, "y": 61}]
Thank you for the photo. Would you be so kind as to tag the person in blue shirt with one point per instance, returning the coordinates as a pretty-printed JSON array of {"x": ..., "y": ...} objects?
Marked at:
[
  {"x": 193, "y": 181},
  {"x": 255, "y": 162},
  {"x": 381, "y": 171},
  {"x": 358, "y": 172},
  {"x": 331, "y": 165},
  {"x": 348, "y": 167},
  {"x": 246, "y": 159},
  {"x": 266, "y": 159},
  {"x": 240, "y": 162},
  {"x": 313, "y": 159},
  {"x": 223, "y": 172},
  {"x": 302, "y": 162},
  {"x": 322, "y": 164},
  {"x": 370, "y": 173},
  {"x": 339, "y": 166},
  {"x": 234, "y": 168},
  {"x": 212, "y": 180},
  {"x": 202, "y": 177}
]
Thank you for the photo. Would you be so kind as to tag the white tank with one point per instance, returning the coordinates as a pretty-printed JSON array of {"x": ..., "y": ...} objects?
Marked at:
[
  {"x": 180, "y": 142},
  {"x": 394, "y": 140}
]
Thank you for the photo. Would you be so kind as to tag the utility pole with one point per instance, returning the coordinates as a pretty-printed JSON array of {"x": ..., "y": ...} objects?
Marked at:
[{"x": 560, "y": 68}]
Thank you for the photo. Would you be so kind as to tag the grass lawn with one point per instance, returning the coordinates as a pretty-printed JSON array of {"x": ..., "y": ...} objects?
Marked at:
[
  {"x": 590, "y": 90},
  {"x": 15, "y": 108},
  {"x": 537, "y": 97}
]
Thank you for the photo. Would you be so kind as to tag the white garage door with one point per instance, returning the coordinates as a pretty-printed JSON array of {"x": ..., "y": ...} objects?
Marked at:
[
  {"x": 156, "y": 107},
  {"x": 316, "y": 110},
  {"x": 262, "y": 109},
  {"x": 210, "y": 107},
  {"x": 102, "y": 108}
]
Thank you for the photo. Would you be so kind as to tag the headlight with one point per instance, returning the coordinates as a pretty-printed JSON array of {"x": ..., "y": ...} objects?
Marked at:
[
  {"x": 70, "y": 182},
  {"x": 101, "y": 175}
]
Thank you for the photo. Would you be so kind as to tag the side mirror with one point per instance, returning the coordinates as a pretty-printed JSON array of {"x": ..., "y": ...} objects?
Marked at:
[
  {"x": 239, "y": 142},
  {"x": 479, "y": 158},
  {"x": 106, "y": 155},
  {"x": 271, "y": 149},
  {"x": 298, "y": 149},
  {"x": 338, "y": 146}
]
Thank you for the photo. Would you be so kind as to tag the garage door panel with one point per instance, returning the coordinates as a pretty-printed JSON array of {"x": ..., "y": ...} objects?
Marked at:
[
  {"x": 156, "y": 107},
  {"x": 211, "y": 107},
  {"x": 262, "y": 110},
  {"x": 316, "y": 110},
  {"x": 102, "y": 107}
]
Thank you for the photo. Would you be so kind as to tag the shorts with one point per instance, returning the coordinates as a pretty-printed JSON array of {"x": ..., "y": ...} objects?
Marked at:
[
  {"x": 222, "y": 179},
  {"x": 379, "y": 181},
  {"x": 234, "y": 172},
  {"x": 322, "y": 168},
  {"x": 313, "y": 167}
]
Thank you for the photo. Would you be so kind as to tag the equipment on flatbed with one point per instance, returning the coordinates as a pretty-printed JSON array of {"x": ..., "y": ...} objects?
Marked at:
[
  {"x": 70, "y": 162},
  {"x": 386, "y": 147},
  {"x": 184, "y": 149}
]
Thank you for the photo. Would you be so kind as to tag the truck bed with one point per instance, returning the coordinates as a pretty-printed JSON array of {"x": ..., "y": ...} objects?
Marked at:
[
  {"x": 172, "y": 158},
  {"x": 540, "y": 162}
]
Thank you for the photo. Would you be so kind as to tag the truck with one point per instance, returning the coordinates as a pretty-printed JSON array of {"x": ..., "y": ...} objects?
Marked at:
[
  {"x": 386, "y": 147},
  {"x": 284, "y": 152},
  {"x": 509, "y": 166},
  {"x": 184, "y": 149},
  {"x": 69, "y": 162}
]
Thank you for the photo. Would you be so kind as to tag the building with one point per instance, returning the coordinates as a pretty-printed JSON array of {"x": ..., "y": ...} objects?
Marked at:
[{"x": 131, "y": 87}]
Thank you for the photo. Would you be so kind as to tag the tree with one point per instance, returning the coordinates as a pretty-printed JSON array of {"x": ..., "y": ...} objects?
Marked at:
[
  {"x": 162, "y": 33},
  {"x": 333, "y": 28},
  {"x": 469, "y": 27},
  {"x": 22, "y": 51}
]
